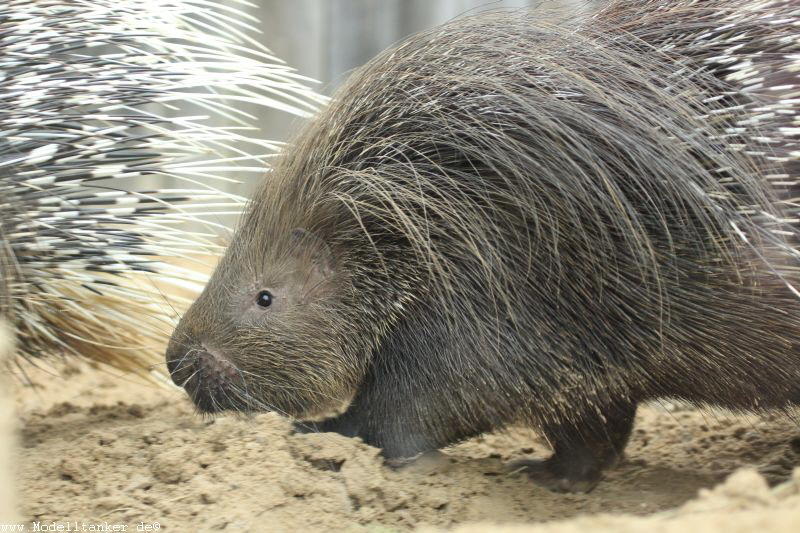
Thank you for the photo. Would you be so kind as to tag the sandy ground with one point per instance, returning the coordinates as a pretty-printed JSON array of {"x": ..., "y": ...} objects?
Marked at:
[
  {"x": 8, "y": 511},
  {"x": 103, "y": 450}
]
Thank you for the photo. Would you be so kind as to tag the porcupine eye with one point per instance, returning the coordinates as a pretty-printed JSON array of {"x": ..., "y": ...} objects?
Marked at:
[{"x": 264, "y": 299}]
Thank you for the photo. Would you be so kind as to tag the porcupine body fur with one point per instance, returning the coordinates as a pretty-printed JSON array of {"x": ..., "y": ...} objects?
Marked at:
[
  {"x": 502, "y": 221},
  {"x": 103, "y": 103}
]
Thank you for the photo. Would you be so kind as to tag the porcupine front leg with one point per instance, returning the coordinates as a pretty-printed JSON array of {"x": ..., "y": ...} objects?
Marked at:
[
  {"x": 398, "y": 434},
  {"x": 582, "y": 449}
]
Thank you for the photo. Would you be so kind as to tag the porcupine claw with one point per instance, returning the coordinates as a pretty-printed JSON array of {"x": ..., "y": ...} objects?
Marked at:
[
  {"x": 582, "y": 449},
  {"x": 554, "y": 475}
]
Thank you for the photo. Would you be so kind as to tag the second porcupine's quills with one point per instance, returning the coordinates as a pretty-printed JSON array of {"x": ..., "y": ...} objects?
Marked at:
[{"x": 100, "y": 101}]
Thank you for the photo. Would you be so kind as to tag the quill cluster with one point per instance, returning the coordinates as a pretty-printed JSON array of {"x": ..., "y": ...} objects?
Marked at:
[{"x": 102, "y": 102}]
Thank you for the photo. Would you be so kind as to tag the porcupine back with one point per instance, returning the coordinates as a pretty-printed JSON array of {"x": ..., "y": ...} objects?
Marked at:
[{"x": 588, "y": 212}]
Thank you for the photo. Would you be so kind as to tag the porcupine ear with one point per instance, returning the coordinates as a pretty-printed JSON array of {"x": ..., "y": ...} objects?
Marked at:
[{"x": 308, "y": 246}]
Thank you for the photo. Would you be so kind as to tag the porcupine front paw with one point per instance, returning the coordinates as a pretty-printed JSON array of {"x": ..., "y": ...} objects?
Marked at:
[
  {"x": 582, "y": 450},
  {"x": 399, "y": 446},
  {"x": 570, "y": 475}
]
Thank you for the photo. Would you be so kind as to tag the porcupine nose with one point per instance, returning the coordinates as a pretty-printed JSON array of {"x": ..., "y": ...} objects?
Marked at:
[
  {"x": 217, "y": 371},
  {"x": 207, "y": 363},
  {"x": 208, "y": 377}
]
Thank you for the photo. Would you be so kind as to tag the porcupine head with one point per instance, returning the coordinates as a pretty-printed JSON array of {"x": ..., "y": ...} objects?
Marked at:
[
  {"x": 286, "y": 322},
  {"x": 270, "y": 333}
]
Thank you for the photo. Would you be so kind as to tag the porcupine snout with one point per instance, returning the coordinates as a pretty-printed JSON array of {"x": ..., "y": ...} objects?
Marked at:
[{"x": 209, "y": 377}]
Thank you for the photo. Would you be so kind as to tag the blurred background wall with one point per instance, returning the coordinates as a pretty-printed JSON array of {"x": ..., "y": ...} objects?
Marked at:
[{"x": 326, "y": 39}]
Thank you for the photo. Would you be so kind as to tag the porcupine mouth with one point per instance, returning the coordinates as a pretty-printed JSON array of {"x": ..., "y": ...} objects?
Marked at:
[{"x": 215, "y": 385}]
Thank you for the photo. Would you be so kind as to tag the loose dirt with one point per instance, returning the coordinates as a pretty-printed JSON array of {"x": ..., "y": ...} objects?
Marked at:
[{"x": 99, "y": 449}]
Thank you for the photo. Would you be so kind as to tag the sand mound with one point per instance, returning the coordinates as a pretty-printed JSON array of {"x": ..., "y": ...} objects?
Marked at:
[{"x": 99, "y": 449}]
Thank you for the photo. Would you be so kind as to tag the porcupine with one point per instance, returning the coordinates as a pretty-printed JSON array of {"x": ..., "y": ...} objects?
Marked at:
[
  {"x": 98, "y": 99},
  {"x": 503, "y": 221}
]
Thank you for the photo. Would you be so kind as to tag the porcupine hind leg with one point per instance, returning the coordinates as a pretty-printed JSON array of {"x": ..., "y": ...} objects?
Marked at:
[{"x": 582, "y": 449}]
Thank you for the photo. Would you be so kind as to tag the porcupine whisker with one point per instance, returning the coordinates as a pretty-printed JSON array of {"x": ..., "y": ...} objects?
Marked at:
[
  {"x": 258, "y": 378},
  {"x": 189, "y": 378},
  {"x": 261, "y": 406},
  {"x": 245, "y": 394},
  {"x": 167, "y": 301},
  {"x": 258, "y": 404},
  {"x": 181, "y": 363}
]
